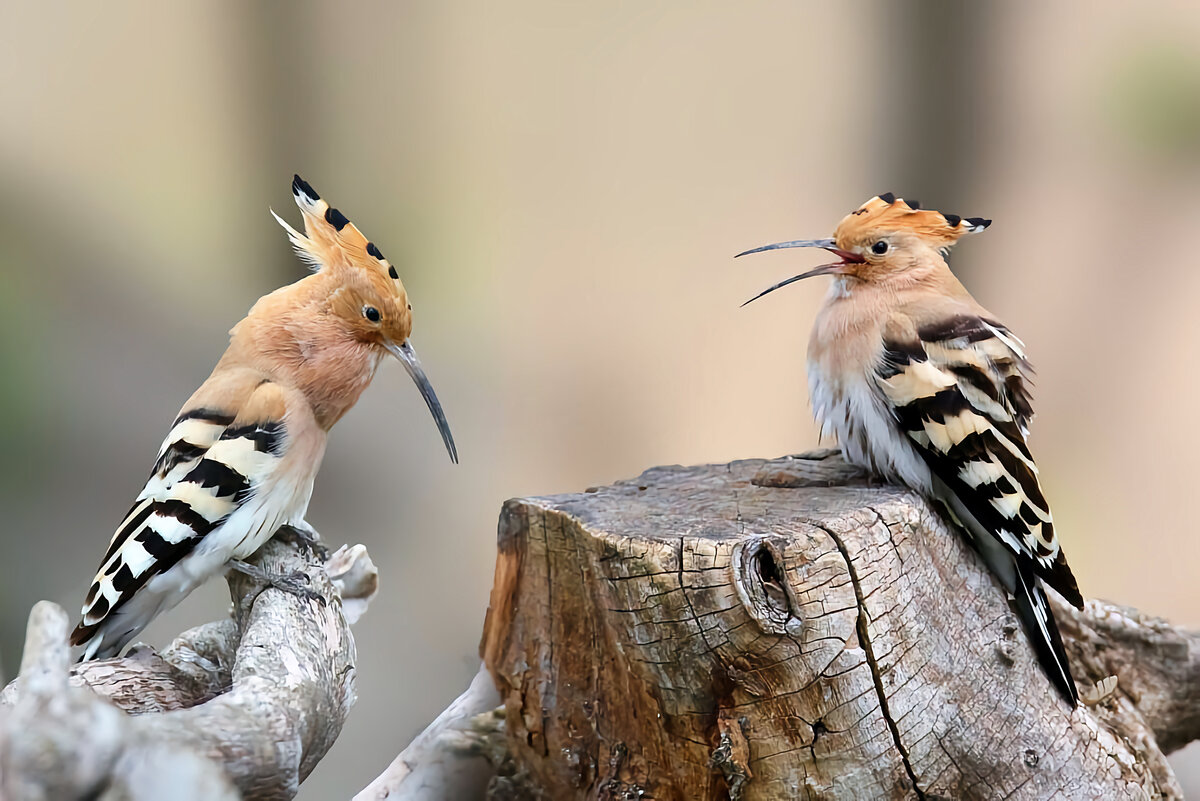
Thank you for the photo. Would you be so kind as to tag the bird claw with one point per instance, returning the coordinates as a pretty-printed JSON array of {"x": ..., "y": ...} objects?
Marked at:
[
  {"x": 305, "y": 536},
  {"x": 293, "y": 583}
]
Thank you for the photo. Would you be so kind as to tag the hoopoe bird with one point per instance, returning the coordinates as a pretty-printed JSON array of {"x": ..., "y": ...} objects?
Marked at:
[
  {"x": 923, "y": 387},
  {"x": 240, "y": 459}
]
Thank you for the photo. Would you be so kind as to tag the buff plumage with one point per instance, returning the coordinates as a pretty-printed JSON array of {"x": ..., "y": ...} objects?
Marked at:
[
  {"x": 240, "y": 459},
  {"x": 923, "y": 387}
]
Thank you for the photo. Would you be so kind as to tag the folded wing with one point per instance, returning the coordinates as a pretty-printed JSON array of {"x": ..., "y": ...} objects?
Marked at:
[
  {"x": 959, "y": 392},
  {"x": 209, "y": 466}
]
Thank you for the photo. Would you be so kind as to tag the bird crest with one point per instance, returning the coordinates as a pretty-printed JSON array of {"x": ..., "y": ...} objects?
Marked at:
[
  {"x": 329, "y": 239},
  {"x": 888, "y": 213}
]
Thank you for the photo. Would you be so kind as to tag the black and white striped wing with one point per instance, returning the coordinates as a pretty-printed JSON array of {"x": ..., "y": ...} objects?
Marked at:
[
  {"x": 206, "y": 469},
  {"x": 960, "y": 395}
]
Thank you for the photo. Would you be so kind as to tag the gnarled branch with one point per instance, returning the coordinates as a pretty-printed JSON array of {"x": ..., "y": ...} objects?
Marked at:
[{"x": 242, "y": 708}]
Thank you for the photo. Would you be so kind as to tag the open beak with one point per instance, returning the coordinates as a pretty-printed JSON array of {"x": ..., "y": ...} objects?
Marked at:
[
  {"x": 825, "y": 269},
  {"x": 408, "y": 357}
]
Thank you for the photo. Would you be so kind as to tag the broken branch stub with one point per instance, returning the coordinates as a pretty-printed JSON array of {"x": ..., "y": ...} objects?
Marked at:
[{"x": 765, "y": 630}]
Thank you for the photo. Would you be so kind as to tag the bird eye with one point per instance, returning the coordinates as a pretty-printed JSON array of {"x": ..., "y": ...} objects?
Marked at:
[
  {"x": 371, "y": 313},
  {"x": 879, "y": 248}
]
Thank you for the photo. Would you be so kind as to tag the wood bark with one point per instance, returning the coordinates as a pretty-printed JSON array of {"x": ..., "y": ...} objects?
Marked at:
[
  {"x": 453, "y": 758},
  {"x": 768, "y": 630},
  {"x": 241, "y": 708}
]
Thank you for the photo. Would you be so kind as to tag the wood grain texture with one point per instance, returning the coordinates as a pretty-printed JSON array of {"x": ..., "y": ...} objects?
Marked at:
[
  {"x": 242, "y": 708},
  {"x": 765, "y": 630}
]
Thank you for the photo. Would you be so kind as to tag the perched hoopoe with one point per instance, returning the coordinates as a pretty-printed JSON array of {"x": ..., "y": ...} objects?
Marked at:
[
  {"x": 923, "y": 387},
  {"x": 241, "y": 456}
]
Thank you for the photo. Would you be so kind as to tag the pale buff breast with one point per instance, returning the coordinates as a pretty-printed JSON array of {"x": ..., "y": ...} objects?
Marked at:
[{"x": 844, "y": 354}]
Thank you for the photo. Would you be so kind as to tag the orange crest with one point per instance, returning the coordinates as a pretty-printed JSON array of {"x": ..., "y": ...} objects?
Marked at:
[
  {"x": 329, "y": 239},
  {"x": 887, "y": 213}
]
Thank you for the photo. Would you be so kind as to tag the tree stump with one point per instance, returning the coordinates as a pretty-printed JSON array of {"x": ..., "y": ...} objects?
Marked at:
[{"x": 772, "y": 630}]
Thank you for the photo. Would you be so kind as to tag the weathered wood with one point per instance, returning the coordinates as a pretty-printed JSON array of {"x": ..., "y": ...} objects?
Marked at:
[
  {"x": 767, "y": 630},
  {"x": 242, "y": 708},
  {"x": 451, "y": 758}
]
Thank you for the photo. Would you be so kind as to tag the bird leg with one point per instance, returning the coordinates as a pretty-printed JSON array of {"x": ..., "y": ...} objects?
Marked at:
[{"x": 292, "y": 583}]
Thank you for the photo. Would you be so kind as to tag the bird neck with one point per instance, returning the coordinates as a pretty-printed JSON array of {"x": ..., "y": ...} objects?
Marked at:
[
  {"x": 293, "y": 337},
  {"x": 927, "y": 276},
  {"x": 856, "y": 311}
]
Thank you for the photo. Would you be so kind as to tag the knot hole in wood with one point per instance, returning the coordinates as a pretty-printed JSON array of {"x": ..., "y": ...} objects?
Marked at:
[{"x": 762, "y": 585}]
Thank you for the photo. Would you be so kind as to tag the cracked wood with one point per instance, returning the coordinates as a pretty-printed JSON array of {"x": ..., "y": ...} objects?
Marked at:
[{"x": 855, "y": 646}]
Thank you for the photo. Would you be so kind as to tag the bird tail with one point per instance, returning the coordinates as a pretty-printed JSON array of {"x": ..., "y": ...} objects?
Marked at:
[{"x": 1034, "y": 611}]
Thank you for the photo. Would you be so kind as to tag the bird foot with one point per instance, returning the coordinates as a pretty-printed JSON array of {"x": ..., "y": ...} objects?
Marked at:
[
  {"x": 304, "y": 536},
  {"x": 295, "y": 583}
]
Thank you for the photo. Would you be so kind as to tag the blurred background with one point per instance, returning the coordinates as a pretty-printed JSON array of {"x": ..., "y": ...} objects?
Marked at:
[{"x": 562, "y": 187}]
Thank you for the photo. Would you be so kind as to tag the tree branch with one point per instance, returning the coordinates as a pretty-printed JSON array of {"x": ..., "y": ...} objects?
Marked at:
[
  {"x": 251, "y": 703},
  {"x": 449, "y": 759}
]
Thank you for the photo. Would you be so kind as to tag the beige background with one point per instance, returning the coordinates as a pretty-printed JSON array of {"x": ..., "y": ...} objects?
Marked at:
[{"x": 561, "y": 186}]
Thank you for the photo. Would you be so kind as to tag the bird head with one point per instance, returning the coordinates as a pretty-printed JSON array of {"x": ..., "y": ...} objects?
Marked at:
[
  {"x": 366, "y": 301},
  {"x": 884, "y": 237}
]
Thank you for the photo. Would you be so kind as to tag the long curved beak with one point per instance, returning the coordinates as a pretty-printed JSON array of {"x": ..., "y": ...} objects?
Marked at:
[
  {"x": 824, "y": 269},
  {"x": 408, "y": 357},
  {"x": 827, "y": 244}
]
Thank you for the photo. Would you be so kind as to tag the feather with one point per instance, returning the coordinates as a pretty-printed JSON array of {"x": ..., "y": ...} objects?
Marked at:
[
  {"x": 219, "y": 458},
  {"x": 970, "y": 429}
]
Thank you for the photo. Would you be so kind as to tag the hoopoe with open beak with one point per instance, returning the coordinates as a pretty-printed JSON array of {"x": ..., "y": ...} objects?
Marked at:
[
  {"x": 924, "y": 388},
  {"x": 241, "y": 456}
]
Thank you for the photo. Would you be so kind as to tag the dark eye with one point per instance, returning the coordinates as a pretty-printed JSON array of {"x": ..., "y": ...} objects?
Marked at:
[
  {"x": 371, "y": 313},
  {"x": 879, "y": 248}
]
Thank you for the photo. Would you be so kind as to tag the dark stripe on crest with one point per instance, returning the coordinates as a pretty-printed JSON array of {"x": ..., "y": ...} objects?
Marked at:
[
  {"x": 336, "y": 218},
  {"x": 301, "y": 187},
  {"x": 952, "y": 219},
  {"x": 888, "y": 197},
  {"x": 267, "y": 437},
  {"x": 374, "y": 251},
  {"x": 978, "y": 222},
  {"x": 226, "y": 481},
  {"x": 392, "y": 272},
  {"x": 913, "y": 204},
  {"x": 207, "y": 415}
]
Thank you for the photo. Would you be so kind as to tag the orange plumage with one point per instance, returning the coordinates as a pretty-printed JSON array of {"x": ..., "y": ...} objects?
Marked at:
[{"x": 241, "y": 457}]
